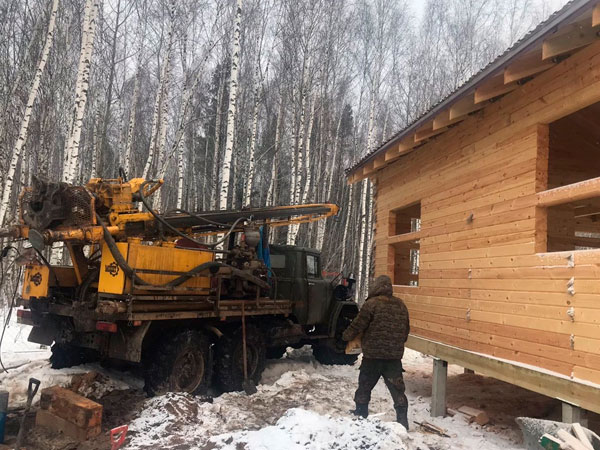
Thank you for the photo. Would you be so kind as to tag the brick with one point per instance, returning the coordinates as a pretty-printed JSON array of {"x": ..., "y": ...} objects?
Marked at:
[
  {"x": 72, "y": 407},
  {"x": 46, "y": 419}
]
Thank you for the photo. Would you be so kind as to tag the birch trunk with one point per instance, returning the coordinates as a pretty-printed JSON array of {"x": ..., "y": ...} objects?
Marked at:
[
  {"x": 330, "y": 170},
  {"x": 33, "y": 93},
  {"x": 299, "y": 163},
  {"x": 131, "y": 126},
  {"x": 233, "y": 88},
  {"x": 163, "y": 162},
  {"x": 215, "y": 166},
  {"x": 205, "y": 200},
  {"x": 272, "y": 193},
  {"x": 111, "y": 78},
  {"x": 362, "y": 239},
  {"x": 307, "y": 162},
  {"x": 157, "y": 119},
  {"x": 251, "y": 156},
  {"x": 361, "y": 282},
  {"x": 81, "y": 90},
  {"x": 95, "y": 141},
  {"x": 369, "y": 237},
  {"x": 180, "y": 135},
  {"x": 347, "y": 226}
]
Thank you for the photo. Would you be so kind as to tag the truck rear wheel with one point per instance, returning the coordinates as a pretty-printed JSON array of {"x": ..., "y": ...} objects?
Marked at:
[
  {"x": 276, "y": 352},
  {"x": 180, "y": 362},
  {"x": 229, "y": 366}
]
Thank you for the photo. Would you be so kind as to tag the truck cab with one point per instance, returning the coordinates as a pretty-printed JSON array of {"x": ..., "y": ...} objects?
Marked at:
[{"x": 297, "y": 275}]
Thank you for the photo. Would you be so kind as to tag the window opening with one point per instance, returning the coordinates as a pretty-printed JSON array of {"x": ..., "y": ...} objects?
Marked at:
[
  {"x": 406, "y": 253},
  {"x": 573, "y": 157}
]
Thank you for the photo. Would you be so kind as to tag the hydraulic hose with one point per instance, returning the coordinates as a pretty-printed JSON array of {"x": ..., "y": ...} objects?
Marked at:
[
  {"x": 211, "y": 265},
  {"x": 175, "y": 230}
]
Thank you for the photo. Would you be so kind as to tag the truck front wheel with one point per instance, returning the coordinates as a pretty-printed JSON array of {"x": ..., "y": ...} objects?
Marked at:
[
  {"x": 332, "y": 351},
  {"x": 181, "y": 362},
  {"x": 229, "y": 362},
  {"x": 327, "y": 353}
]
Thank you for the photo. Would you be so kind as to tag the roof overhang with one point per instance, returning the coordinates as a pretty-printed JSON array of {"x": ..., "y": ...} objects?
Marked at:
[{"x": 571, "y": 28}]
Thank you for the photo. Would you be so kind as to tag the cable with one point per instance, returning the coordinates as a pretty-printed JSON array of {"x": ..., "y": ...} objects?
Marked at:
[
  {"x": 175, "y": 230},
  {"x": 196, "y": 216},
  {"x": 8, "y": 316}
]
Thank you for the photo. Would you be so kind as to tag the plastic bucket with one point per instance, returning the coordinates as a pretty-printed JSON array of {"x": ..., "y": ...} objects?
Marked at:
[{"x": 3, "y": 411}]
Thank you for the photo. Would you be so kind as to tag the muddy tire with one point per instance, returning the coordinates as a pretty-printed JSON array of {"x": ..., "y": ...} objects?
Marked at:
[
  {"x": 229, "y": 369},
  {"x": 179, "y": 362},
  {"x": 327, "y": 354},
  {"x": 67, "y": 355},
  {"x": 276, "y": 352},
  {"x": 333, "y": 351}
]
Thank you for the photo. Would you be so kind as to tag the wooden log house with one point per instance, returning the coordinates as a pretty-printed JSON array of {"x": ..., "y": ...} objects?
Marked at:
[{"x": 488, "y": 214}]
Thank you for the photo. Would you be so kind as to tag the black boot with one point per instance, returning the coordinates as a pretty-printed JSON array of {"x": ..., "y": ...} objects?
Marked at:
[
  {"x": 362, "y": 410},
  {"x": 402, "y": 415}
]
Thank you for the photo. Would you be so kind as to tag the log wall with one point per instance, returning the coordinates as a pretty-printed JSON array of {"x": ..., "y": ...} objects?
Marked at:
[{"x": 486, "y": 281}]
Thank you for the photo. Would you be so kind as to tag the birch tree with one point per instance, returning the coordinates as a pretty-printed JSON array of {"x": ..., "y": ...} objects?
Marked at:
[
  {"x": 70, "y": 170},
  {"x": 158, "y": 115},
  {"x": 233, "y": 88},
  {"x": 33, "y": 94}
]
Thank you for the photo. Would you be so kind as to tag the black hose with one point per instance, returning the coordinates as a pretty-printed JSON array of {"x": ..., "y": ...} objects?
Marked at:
[
  {"x": 210, "y": 265},
  {"x": 175, "y": 230},
  {"x": 197, "y": 217}
]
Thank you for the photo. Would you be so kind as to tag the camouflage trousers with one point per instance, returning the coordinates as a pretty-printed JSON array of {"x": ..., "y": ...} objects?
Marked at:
[{"x": 370, "y": 372}]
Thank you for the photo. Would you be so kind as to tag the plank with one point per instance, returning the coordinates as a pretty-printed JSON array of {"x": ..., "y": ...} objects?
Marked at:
[
  {"x": 486, "y": 242},
  {"x": 580, "y": 434},
  {"x": 559, "y": 356},
  {"x": 570, "y": 193},
  {"x": 503, "y": 250},
  {"x": 505, "y": 369},
  {"x": 571, "y": 441},
  {"x": 526, "y": 66},
  {"x": 492, "y": 88},
  {"x": 442, "y": 120},
  {"x": 464, "y": 106},
  {"x": 572, "y": 37}
]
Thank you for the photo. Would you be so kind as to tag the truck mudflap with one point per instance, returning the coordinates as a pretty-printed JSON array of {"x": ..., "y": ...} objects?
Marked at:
[
  {"x": 41, "y": 335},
  {"x": 127, "y": 343},
  {"x": 348, "y": 309}
]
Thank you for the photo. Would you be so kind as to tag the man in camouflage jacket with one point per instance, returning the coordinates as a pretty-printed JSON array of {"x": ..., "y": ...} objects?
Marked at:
[{"x": 383, "y": 322}]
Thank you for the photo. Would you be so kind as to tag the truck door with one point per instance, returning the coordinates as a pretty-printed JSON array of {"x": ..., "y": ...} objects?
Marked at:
[{"x": 319, "y": 295}]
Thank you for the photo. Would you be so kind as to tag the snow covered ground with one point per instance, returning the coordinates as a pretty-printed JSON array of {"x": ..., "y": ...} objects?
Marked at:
[{"x": 300, "y": 404}]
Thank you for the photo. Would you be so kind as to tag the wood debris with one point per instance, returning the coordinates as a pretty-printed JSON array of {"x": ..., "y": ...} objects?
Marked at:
[
  {"x": 431, "y": 428},
  {"x": 474, "y": 415},
  {"x": 577, "y": 439}
]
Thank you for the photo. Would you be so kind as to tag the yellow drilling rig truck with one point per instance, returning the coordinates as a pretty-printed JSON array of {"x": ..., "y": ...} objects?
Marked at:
[{"x": 183, "y": 295}]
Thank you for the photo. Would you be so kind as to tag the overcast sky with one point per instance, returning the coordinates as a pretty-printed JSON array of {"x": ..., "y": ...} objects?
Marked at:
[{"x": 418, "y": 6}]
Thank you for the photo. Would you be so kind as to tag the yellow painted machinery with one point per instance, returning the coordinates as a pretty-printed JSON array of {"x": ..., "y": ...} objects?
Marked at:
[{"x": 162, "y": 288}]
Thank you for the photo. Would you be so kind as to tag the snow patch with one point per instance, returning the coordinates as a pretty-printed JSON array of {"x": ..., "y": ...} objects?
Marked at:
[{"x": 300, "y": 429}]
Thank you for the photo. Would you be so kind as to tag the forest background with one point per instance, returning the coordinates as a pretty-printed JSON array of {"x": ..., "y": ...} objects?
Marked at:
[{"x": 235, "y": 103}]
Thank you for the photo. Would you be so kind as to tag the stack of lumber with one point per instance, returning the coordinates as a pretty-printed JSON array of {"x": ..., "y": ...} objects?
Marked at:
[
  {"x": 65, "y": 411},
  {"x": 577, "y": 439}
]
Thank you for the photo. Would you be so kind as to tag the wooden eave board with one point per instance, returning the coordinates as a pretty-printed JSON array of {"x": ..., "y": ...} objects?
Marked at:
[{"x": 574, "y": 34}]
